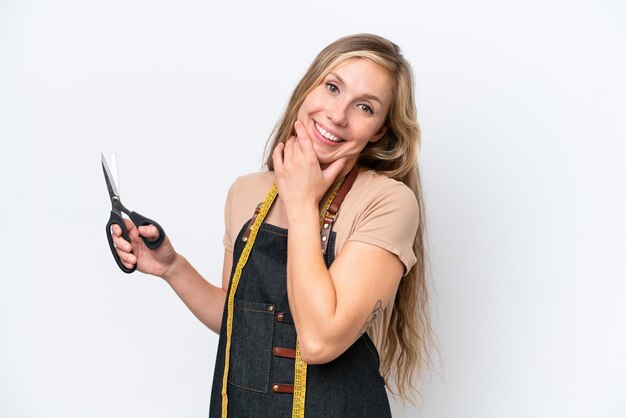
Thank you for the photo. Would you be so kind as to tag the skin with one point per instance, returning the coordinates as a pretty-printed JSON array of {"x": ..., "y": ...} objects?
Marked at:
[
  {"x": 203, "y": 299},
  {"x": 330, "y": 307}
]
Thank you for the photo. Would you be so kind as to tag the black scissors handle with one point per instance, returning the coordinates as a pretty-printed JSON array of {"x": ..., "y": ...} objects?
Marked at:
[
  {"x": 116, "y": 219},
  {"x": 140, "y": 220}
]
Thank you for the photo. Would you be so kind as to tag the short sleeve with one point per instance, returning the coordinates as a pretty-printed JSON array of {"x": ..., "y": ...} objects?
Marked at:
[
  {"x": 390, "y": 221},
  {"x": 229, "y": 240},
  {"x": 243, "y": 196}
]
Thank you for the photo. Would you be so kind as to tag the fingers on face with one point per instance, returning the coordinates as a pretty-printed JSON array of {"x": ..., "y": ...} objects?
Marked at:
[
  {"x": 289, "y": 144},
  {"x": 293, "y": 147},
  {"x": 304, "y": 142},
  {"x": 333, "y": 169},
  {"x": 277, "y": 156},
  {"x": 288, "y": 150},
  {"x": 300, "y": 130}
]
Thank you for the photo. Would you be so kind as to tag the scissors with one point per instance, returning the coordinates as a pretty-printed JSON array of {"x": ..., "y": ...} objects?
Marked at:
[{"x": 117, "y": 208}]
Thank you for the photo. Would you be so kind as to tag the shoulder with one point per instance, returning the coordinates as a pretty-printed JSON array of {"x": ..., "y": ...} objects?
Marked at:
[
  {"x": 250, "y": 188},
  {"x": 373, "y": 190},
  {"x": 380, "y": 211},
  {"x": 252, "y": 181},
  {"x": 244, "y": 194}
]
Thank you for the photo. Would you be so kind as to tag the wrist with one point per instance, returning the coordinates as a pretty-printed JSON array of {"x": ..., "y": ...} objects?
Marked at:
[
  {"x": 301, "y": 214},
  {"x": 175, "y": 269}
]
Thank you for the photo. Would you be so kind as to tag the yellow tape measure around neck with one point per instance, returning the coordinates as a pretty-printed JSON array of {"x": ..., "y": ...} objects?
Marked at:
[
  {"x": 299, "y": 387},
  {"x": 267, "y": 203},
  {"x": 299, "y": 381}
]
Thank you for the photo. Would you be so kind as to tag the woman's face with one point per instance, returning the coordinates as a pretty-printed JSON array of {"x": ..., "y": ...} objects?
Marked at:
[{"x": 347, "y": 110}]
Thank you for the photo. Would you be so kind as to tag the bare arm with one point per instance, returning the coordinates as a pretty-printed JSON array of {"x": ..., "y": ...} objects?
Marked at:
[
  {"x": 331, "y": 307},
  {"x": 203, "y": 299}
]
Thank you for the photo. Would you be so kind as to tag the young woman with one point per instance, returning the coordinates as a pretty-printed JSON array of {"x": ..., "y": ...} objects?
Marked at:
[{"x": 337, "y": 313}]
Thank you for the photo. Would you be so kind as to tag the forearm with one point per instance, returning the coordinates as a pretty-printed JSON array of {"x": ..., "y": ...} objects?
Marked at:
[
  {"x": 312, "y": 294},
  {"x": 203, "y": 299}
]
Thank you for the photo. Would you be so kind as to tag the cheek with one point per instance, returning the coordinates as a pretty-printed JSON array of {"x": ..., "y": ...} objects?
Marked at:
[
  {"x": 312, "y": 102},
  {"x": 300, "y": 115},
  {"x": 307, "y": 109},
  {"x": 366, "y": 133},
  {"x": 303, "y": 111}
]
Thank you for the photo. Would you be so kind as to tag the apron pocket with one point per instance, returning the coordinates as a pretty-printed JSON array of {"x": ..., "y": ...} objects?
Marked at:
[{"x": 251, "y": 347}]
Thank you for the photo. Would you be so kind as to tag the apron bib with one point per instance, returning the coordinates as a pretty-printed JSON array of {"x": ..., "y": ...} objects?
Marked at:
[{"x": 263, "y": 346}]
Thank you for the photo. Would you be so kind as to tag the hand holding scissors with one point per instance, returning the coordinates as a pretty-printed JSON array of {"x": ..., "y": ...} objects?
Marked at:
[{"x": 117, "y": 208}]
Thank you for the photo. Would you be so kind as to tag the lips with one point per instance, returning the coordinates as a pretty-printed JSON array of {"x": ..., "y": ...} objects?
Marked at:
[{"x": 326, "y": 134}]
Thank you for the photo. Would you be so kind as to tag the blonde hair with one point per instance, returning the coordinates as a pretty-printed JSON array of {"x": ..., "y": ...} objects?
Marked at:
[{"x": 406, "y": 351}]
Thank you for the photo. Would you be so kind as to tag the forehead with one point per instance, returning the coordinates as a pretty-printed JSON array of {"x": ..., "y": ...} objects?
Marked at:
[{"x": 364, "y": 77}]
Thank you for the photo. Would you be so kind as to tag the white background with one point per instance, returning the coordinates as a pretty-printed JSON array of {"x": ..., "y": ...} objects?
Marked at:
[{"x": 522, "y": 106}]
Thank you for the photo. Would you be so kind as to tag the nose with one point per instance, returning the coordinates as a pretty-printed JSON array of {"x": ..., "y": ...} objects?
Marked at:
[{"x": 337, "y": 113}]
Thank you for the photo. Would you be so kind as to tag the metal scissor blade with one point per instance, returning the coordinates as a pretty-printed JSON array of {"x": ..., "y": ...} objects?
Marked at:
[
  {"x": 114, "y": 172},
  {"x": 108, "y": 177}
]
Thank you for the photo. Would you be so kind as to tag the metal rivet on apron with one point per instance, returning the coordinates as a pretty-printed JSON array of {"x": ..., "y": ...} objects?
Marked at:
[
  {"x": 275, "y": 351},
  {"x": 275, "y": 388},
  {"x": 325, "y": 226},
  {"x": 270, "y": 308},
  {"x": 244, "y": 239},
  {"x": 280, "y": 317},
  {"x": 324, "y": 239}
]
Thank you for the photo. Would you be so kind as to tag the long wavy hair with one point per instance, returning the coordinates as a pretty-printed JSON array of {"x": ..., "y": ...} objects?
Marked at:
[{"x": 409, "y": 336}]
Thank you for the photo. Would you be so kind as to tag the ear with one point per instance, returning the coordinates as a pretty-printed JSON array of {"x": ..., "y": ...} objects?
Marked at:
[{"x": 381, "y": 132}]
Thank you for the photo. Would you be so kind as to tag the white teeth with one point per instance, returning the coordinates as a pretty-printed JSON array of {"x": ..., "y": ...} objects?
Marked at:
[{"x": 327, "y": 134}]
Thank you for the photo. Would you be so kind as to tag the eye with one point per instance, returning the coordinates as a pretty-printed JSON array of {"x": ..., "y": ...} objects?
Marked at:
[
  {"x": 332, "y": 88},
  {"x": 366, "y": 108}
]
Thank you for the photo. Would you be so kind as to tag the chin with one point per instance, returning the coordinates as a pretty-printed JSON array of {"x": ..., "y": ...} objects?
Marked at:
[{"x": 323, "y": 159}]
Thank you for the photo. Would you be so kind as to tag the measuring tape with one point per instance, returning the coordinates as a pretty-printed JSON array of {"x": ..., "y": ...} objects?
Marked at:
[
  {"x": 267, "y": 203},
  {"x": 299, "y": 386},
  {"x": 299, "y": 383}
]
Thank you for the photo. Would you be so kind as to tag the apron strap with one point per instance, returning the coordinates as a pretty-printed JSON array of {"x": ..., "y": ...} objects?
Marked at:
[{"x": 331, "y": 214}]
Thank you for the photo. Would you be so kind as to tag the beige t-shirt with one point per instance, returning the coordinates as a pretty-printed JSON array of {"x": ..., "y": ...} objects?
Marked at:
[{"x": 377, "y": 210}]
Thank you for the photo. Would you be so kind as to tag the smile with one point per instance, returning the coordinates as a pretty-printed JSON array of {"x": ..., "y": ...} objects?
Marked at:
[{"x": 327, "y": 134}]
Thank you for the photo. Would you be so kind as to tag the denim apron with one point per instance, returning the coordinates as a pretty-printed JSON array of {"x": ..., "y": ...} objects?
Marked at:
[{"x": 261, "y": 372}]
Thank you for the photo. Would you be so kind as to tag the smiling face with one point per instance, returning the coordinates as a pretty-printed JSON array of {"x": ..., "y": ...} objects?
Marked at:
[{"x": 347, "y": 110}]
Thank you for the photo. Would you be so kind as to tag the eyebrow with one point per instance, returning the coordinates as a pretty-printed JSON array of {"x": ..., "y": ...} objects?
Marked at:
[{"x": 365, "y": 96}]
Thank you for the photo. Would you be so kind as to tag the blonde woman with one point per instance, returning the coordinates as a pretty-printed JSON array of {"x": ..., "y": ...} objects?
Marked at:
[{"x": 323, "y": 283}]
